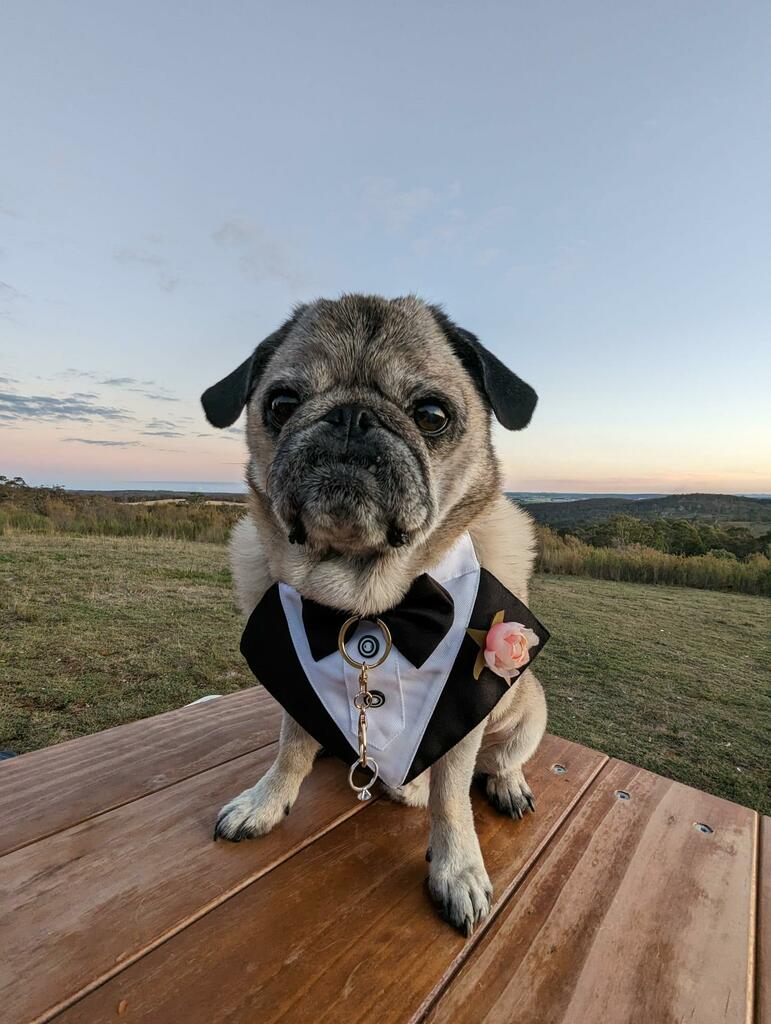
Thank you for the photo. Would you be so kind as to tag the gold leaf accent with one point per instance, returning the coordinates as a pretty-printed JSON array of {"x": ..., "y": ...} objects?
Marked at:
[{"x": 479, "y": 636}]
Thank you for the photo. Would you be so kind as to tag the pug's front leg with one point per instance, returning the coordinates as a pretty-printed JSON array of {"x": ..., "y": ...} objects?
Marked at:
[
  {"x": 457, "y": 879},
  {"x": 257, "y": 810}
]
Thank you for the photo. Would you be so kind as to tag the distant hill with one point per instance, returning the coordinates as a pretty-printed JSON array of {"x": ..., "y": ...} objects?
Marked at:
[
  {"x": 530, "y": 497},
  {"x": 164, "y": 495},
  {"x": 707, "y": 508}
]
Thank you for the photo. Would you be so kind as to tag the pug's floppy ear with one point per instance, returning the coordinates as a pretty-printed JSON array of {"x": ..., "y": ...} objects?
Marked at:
[
  {"x": 224, "y": 401},
  {"x": 511, "y": 399}
]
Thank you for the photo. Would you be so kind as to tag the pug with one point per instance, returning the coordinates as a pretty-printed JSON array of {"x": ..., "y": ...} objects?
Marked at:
[{"x": 370, "y": 456}]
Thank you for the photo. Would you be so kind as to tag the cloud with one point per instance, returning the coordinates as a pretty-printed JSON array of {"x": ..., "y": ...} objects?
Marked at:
[
  {"x": 228, "y": 434},
  {"x": 71, "y": 372},
  {"x": 127, "y": 256},
  {"x": 162, "y": 433},
  {"x": 398, "y": 208},
  {"x": 429, "y": 221},
  {"x": 48, "y": 407},
  {"x": 8, "y": 380},
  {"x": 103, "y": 444},
  {"x": 139, "y": 387},
  {"x": 155, "y": 424},
  {"x": 156, "y": 397},
  {"x": 238, "y": 232},
  {"x": 486, "y": 257},
  {"x": 8, "y": 296},
  {"x": 168, "y": 282},
  {"x": 128, "y": 382},
  {"x": 261, "y": 257}
]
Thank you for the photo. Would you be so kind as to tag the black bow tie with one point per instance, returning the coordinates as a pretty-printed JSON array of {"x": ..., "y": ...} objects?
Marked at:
[{"x": 418, "y": 624}]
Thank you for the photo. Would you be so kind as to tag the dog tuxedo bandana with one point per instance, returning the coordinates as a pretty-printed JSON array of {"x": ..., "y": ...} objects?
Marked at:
[{"x": 459, "y": 641}]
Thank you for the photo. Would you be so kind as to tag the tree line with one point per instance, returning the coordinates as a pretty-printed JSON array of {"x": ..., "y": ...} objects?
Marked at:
[{"x": 672, "y": 536}]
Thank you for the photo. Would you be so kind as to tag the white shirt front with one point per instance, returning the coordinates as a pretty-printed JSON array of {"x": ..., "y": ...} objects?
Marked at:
[{"x": 395, "y": 729}]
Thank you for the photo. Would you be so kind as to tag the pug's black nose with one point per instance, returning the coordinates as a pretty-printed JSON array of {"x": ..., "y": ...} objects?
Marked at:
[{"x": 351, "y": 419}]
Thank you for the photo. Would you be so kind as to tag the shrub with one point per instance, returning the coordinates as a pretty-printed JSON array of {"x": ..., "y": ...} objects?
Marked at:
[
  {"x": 51, "y": 510},
  {"x": 637, "y": 563}
]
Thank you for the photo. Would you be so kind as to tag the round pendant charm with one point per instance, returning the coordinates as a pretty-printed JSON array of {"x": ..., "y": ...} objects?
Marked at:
[{"x": 364, "y": 664}]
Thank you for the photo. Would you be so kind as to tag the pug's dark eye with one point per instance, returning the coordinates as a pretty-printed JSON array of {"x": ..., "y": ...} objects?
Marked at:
[
  {"x": 430, "y": 417},
  {"x": 281, "y": 406}
]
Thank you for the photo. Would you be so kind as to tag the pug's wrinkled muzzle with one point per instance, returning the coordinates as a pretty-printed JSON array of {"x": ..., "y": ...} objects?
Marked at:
[{"x": 349, "y": 483}]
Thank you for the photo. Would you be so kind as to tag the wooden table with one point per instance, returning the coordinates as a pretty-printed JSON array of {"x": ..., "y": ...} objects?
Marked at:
[{"x": 612, "y": 904}]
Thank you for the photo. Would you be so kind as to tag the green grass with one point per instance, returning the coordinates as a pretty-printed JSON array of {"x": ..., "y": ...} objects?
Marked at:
[
  {"x": 102, "y": 631},
  {"x": 96, "y": 631},
  {"x": 670, "y": 678}
]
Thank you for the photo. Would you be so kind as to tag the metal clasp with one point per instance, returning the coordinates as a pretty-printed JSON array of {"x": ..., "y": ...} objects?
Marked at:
[{"x": 362, "y": 702}]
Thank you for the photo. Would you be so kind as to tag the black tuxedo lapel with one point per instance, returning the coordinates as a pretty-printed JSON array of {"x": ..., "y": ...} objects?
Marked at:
[
  {"x": 465, "y": 702},
  {"x": 267, "y": 646}
]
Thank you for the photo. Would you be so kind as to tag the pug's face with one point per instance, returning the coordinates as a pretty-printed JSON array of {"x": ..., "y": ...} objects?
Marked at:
[{"x": 369, "y": 422}]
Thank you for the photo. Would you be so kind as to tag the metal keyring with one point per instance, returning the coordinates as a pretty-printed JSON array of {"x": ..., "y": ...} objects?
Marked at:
[
  {"x": 344, "y": 632},
  {"x": 370, "y": 763}
]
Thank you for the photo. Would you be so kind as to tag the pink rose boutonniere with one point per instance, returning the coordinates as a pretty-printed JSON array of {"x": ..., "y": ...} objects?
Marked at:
[
  {"x": 504, "y": 647},
  {"x": 508, "y": 648}
]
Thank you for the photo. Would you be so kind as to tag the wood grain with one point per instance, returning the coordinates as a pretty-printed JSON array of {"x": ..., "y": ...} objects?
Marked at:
[
  {"x": 343, "y": 930},
  {"x": 49, "y": 790},
  {"x": 763, "y": 951},
  {"x": 633, "y": 916},
  {"x": 86, "y": 902}
]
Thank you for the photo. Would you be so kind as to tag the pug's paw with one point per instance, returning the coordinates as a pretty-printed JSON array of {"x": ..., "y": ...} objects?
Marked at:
[
  {"x": 253, "y": 813},
  {"x": 510, "y": 794},
  {"x": 462, "y": 895}
]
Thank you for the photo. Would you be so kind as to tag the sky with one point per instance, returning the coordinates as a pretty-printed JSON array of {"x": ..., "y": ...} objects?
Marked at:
[{"x": 585, "y": 186}]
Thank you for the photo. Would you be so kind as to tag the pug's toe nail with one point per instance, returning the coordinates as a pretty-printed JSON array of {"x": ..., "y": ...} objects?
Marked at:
[
  {"x": 219, "y": 828},
  {"x": 510, "y": 795},
  {"x": 462, "y": 897}
]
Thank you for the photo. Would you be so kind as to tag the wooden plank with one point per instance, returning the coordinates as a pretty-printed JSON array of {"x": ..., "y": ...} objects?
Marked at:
[
  {"x": 763, "y": 964},
  {"x": 49, "y": 790},
  {"x": 342, "y": 931},
  {"x": 82, "y": 904},
  {"x": 632, "y": 916}
]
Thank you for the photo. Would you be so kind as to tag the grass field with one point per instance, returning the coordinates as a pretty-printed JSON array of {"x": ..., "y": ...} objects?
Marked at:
[{"x": 95, "y": 631}]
